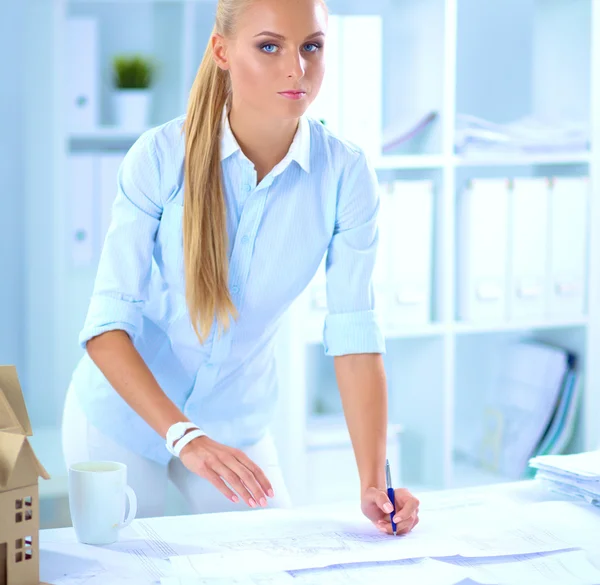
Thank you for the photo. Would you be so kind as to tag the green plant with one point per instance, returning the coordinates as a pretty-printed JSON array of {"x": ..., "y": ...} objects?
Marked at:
[{"x": 132, "y": 72}]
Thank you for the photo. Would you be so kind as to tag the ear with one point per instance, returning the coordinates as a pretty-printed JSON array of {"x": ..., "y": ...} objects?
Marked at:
[{"x": 219, "y": 49}]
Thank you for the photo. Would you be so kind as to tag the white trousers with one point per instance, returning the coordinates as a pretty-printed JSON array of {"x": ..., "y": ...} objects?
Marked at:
[{"x": 149, "y": 480}]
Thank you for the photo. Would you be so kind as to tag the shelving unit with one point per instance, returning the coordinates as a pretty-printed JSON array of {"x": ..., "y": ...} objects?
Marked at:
[{"x": 446, "y": 56}]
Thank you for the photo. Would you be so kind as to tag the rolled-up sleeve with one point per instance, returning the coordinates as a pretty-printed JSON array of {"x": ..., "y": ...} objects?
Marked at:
[
  {"x": 352, "y": 324},
  {"x": 121, "y": 285}
]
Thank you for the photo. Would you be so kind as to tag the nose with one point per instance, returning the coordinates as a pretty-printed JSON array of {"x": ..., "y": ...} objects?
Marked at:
[{"x": 296, "y": 66}]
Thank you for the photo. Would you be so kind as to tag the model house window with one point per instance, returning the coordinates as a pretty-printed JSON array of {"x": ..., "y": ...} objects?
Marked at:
[
  {"x": 18, "y": 557},
  {"x": 19, "y": 517},
  {"x": 19, "y": 543},
  {"x": 28, "y": 501},
  {"x": 28, "y": 541},
  {"x": 18, "y": 504},
  {"x": 28, "y": 514}
]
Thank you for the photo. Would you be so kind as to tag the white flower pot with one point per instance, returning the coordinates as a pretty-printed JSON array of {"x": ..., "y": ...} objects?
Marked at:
[{"x": 131, "y": 107}]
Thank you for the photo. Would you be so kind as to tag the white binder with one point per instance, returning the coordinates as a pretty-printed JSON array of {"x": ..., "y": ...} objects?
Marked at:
[
  {"x": 361, "y": 82},
  {"x": 108, "y": 167},
  {"x": 326, "y": 106},
  {"x": 528, "y": 244},
  {"x": 568, "y": 236},
  {"x": 81, "y": 197},
  {"x": 82, "y": 68},
  {"x": 482, "y": 251},
  {"x": 409, "y": 224}
]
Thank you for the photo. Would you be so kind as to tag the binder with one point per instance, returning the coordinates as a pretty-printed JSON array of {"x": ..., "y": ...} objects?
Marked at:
[
  {"x": 482, "y": 237},
  {"x": 108, "y": 167},
  {"x": 81, "y": 196},
  {"x": 520, "y": 406},
  {"x": 409, "y": 224},
  {"x": 568, "y": 235},
  {"x": 82, "y": 67},
  {"x": 562, "y": 426},
  {"x": 528, "y": 242}
]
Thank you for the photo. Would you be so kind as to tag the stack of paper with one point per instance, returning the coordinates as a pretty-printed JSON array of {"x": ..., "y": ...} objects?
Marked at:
[
  {"x": 574, "y": 475},
  {"x": 526, "y": 135}
]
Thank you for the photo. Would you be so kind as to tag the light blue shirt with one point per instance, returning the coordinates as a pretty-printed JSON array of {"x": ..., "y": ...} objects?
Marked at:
[{"x": 322, "y": 198}]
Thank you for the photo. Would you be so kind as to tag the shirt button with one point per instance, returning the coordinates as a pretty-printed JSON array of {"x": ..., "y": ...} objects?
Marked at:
[
  {"x": 247, "y": 188},
  {"x": 235, "y": 289},
  {"x": 245, "y": 240}
]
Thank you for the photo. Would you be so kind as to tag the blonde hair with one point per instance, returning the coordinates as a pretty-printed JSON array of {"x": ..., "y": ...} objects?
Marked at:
[{"x": 205, "y": 239}]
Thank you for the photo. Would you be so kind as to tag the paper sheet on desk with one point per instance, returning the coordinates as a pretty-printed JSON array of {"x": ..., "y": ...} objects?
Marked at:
[
  {"x": 563, "y": 568},
  {"x": 321, "y": 548},
  {"x": 138, "y": 557},
  {"x": 422, "y": 571}
]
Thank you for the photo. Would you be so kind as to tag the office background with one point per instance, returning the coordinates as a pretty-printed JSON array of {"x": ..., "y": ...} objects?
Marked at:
[{"x": 478, "y": 116}]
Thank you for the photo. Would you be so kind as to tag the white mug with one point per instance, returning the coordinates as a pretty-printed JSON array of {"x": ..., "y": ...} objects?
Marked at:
[{"x": 97, "y": 494}]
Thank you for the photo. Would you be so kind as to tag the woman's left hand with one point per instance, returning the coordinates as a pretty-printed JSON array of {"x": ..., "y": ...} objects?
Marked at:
[{"x": 376, "y": 506}]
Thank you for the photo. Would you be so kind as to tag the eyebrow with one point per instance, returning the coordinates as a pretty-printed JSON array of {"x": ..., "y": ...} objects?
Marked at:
[{"x": 268, "y": 33}]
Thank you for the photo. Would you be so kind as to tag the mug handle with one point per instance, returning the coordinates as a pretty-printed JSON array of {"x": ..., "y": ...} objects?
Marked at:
[{"x": 132, "y": 499}]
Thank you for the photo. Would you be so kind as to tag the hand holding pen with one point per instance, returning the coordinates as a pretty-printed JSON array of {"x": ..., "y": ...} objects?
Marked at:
[{"x": 393, "y": 511}]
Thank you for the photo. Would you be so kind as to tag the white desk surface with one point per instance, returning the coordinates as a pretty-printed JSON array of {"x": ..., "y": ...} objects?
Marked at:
[{"x": 65, "y": 561}]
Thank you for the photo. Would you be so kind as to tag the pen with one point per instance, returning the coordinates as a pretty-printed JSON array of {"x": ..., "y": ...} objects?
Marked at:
[{"x": 391, "y": 495}]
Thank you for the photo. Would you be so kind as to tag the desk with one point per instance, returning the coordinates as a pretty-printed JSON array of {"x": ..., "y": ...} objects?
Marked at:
[{"x": 65, "y": 561}]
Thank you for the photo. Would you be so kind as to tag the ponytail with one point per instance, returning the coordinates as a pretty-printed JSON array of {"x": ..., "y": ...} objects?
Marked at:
[{"x": 205, "y": 240}]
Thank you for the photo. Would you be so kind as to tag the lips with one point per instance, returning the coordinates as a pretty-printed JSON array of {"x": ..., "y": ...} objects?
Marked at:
[{"x": 293, "y": 94}]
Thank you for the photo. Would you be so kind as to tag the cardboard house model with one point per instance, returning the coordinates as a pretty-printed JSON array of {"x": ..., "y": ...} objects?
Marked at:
[{"x": 19, "y": 473}]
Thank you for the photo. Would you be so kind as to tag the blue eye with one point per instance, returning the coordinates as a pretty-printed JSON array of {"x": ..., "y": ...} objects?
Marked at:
[
  {"x": 266, "y": 47},
  {"x": 316, "y": 47}
]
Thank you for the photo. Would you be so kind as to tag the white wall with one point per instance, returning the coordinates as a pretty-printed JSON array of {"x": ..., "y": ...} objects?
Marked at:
[{"x": 11, "y": 185}]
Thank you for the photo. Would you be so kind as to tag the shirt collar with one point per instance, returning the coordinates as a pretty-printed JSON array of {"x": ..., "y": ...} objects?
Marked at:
[{"x": 299, "y": 149}]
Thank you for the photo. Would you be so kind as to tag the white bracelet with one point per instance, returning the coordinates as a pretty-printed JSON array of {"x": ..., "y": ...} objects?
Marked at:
[
  {"x": 177, "y": 431},
  {"x": 186, "y": 439}
]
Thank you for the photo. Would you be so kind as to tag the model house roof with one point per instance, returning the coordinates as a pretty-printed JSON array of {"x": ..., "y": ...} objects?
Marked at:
[{"x": 16, "y": 455}]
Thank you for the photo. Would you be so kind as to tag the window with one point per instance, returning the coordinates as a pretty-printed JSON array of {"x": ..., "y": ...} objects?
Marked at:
[
  {"x": 28, "y": 554},
  {"x": 18, "y": 557},
  {"x": 28, "y": 540},
  {"x": 28, "y": 514},
  {"x": 19, "y": 543},
  {"x": 18, "y": 504},
  {"x": 19, "y": 517},
  {"x": 28, "y": 501}
]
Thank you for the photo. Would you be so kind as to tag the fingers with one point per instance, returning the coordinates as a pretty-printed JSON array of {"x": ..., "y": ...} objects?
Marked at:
[
  {"x": 230, "y": 471},
  {"x": 257, "y": 472},
  {"x": 405, "y": 509},
  {"x": 249, "y": 480},
  {"x": 221, "y": 486},
  {"x": 407, "y": 525},
  {"x": 383, "y": 502},
  {"x": 233, "y": 479},
  {"x": 403, "y": 528}
]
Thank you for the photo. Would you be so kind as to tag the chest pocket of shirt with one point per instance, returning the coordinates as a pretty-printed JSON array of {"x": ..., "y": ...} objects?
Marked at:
[{"x": 171, "y": 241}]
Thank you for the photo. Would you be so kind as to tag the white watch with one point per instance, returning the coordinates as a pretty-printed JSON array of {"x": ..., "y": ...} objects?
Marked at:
[{"x": 176, "y": 432}]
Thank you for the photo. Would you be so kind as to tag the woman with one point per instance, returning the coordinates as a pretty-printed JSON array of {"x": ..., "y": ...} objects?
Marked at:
[{"x": 221, "y": 219}]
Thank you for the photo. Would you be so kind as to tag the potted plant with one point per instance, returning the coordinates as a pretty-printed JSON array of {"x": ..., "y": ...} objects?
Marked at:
[{"x": 132, "y": 78}]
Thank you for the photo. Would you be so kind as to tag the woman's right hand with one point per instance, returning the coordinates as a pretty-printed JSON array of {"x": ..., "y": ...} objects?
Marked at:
[{"x": 219, "y": 464}]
